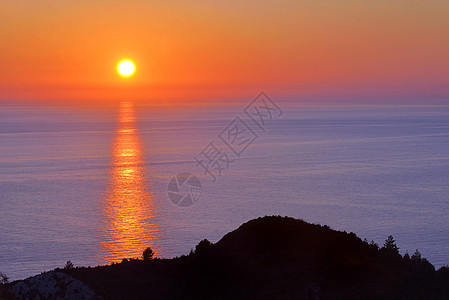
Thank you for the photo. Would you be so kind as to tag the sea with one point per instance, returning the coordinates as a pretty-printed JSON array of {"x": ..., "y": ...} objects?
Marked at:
[{"x": 98, "y": 183}]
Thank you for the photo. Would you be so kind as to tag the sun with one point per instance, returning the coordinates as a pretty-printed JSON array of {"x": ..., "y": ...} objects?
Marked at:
[{"x": 126, "y": 68}]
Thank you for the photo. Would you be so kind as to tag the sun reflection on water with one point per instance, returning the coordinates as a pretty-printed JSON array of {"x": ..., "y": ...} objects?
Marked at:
[{"x": 128, "y": 207}]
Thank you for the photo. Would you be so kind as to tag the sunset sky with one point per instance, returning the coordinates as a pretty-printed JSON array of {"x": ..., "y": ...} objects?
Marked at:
[{"x": 211, "y": 51}]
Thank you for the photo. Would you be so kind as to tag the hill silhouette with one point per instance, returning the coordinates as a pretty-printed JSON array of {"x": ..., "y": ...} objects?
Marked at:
[{"x": 274, "y": 257}]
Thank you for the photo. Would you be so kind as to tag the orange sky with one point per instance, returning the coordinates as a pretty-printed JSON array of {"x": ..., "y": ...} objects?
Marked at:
[{"x": 196, "y": 51}]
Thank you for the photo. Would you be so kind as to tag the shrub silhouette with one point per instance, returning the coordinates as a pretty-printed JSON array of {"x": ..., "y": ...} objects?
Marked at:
[
  {"x": 203, "y": 247},
  {"x": 3, "y": 278},
  {"x": 147, "y": 254},
  {"x": 68, "y": 265}
]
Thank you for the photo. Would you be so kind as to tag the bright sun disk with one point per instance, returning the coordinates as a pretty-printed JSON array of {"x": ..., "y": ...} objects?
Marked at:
[{"x": 126, "y": 68}]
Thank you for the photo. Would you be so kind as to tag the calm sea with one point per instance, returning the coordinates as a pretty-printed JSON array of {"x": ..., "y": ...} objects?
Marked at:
[{"x": 90, "y": 184}]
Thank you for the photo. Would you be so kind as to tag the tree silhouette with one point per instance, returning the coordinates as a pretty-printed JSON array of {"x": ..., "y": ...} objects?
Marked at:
[
  {"x": 147, "y": 254},
  {"x": 390, "y": 246},
  {"x": 416, "y": 257},
  {"x": 406, "y": 257},
  {"x": 374, "y": 245}
]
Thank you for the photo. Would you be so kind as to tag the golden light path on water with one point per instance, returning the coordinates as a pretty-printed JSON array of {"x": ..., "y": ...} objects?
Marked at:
[{"x": 128, "y": 207}]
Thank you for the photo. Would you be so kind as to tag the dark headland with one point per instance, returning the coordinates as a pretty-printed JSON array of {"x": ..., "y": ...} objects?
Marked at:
[{"x": 266, "y": 258}]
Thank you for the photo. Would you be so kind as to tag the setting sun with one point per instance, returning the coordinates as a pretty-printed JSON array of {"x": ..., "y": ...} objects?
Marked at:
[{"x": 126, "y": 68}]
